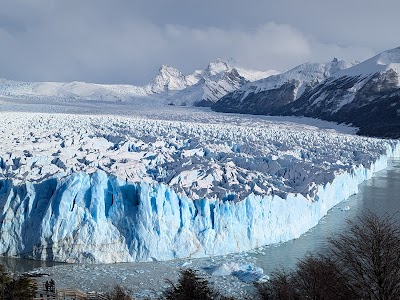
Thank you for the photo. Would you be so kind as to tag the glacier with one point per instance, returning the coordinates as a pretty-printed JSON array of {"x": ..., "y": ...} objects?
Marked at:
[
  {"x": 94, "y": 214},
  {"x": 101, "y": 218}
]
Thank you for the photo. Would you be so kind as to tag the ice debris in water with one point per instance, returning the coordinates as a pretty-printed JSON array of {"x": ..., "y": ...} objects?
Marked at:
[{"x": 245, "y": 272}]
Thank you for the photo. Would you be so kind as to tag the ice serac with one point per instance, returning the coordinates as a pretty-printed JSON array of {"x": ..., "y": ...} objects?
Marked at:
[{"x": 101, "y": 218}]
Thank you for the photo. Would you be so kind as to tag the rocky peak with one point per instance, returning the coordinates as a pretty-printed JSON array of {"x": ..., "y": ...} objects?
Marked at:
[
  {"x": 168, "y": 79},
  {"x": 217, "y": 67}
]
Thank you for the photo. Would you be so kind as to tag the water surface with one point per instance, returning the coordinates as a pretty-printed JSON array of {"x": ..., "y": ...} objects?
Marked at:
[{"x": 380, "y": 195}]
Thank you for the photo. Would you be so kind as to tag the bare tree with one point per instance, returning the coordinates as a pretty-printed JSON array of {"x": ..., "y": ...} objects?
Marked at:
[
  {"x": 278, "y": 287},
  {"x": 192, "y": 286},
  {"x": 17, "y": 288},
  {"x": 315, "y": 277},
  {"x": 118, "y": 293},
  {"x": 368, "y": 255},
  {"x": 319, "y": 278}
]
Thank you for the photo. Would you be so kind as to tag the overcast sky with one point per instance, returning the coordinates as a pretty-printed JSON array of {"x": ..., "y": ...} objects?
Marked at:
[{"x": 125, "y": 41}]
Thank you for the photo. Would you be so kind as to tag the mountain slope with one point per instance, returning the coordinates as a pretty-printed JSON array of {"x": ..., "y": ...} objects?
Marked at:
[
  {"x": 69, "y": 91},
  {"x": 169, "y": 79},
  {"x": 217, "y": 80},
  {"x": 267, "y": 95},
  {"x": 169, "y": 86},
  {"x": 366, "y": 95}
]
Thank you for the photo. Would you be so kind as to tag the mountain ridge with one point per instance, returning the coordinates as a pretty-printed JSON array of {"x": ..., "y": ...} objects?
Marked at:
[
  {"x": 281, "y": 89},
  {"x": 206, "y": 86},
  {"x": 365, "y": 95}
]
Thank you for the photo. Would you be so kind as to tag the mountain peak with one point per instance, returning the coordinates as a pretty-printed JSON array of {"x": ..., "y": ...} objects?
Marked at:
[
  {"x": 387, "y": 57},
  {"x": 217, "y": 67},
  {"x": 167, "y": 79},
  {"x": 169, "y": 71}
]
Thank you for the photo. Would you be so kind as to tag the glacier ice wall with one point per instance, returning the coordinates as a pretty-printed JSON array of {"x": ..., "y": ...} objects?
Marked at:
[{"x": 101, "y": 218}]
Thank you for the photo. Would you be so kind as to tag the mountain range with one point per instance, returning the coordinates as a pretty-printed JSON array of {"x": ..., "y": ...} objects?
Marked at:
[
  {"x": 169, "y": 86},
  {"x": 365, "y": 95}
]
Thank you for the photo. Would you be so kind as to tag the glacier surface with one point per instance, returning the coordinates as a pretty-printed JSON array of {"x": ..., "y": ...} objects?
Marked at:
[{"x": 106, "y": 188}]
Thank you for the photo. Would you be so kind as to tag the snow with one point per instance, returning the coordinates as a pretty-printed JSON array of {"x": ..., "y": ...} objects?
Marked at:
[
  {"x": 387, "y": 60},
  {"x": 169, "y": 79},
  {"x": 381, "y": 72},
  {"x": 217, "y": 80},
  {"x": 217, "y": 67},
  {"x": 170, "y": 183},
  {"x": 220, "y": 66},
  {"x": 253, "y": 75},
  {"x": 245, "y": 272},
  {"x": 169, "y": 86},
  {"x": 308, "y": 73},
  {"x": 69, "y": 91}
]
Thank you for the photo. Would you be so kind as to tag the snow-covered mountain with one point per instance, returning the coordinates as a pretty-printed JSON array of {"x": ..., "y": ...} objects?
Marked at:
[
  {"x": 366, "y": 95},
  {"x": 218, "y": 79},
  {"x": 266, "y": 95},
  {"x": 170, "y": 79},
  {"x": 169, "y": 86},
  {"x": 205, "y": 87},
  {"x": 69, "y": 91}
]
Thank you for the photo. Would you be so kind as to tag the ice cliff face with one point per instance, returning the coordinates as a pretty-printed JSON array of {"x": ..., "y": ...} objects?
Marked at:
[
  {"x": 107, "y": 188},
  {"x": 99, "y": 218}
]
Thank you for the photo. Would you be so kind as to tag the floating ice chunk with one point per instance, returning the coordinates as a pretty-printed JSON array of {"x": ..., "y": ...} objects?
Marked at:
[{"x": 245, "y": 272}]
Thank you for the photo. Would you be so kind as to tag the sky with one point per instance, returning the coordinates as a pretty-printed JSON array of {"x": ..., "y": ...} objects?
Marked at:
[{"x": 126, "y": 41}]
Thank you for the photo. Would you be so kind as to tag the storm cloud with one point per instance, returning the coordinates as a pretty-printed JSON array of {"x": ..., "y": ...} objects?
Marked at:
[{"x": 125, "y": 41}]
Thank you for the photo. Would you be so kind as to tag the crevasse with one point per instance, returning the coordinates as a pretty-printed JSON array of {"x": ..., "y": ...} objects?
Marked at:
[{"x": 100, "y": 218}]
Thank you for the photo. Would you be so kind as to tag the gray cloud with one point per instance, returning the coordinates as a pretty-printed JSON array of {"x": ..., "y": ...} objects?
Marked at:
[{"x": 126, "y": 41}]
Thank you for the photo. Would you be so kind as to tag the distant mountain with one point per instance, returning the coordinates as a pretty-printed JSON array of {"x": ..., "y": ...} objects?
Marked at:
[
  {"x": 218, "y": 79},
  {"x": 70, "y": 91},
  {"x": 366, "y": 95},
  {"x": 169, "y": 86},
  {"x": 170, "y": 79},
  {"x": 268, "y": 95}
]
